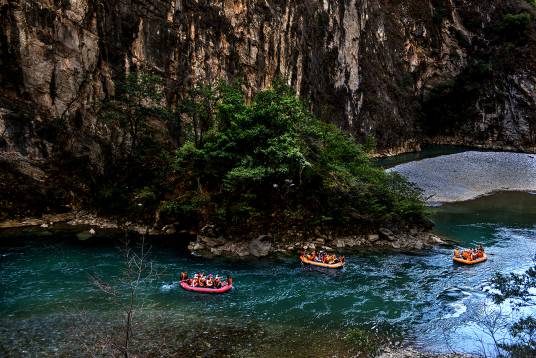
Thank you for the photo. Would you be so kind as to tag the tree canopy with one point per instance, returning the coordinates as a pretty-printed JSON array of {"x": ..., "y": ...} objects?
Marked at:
[{"x": 271, "y": 158}]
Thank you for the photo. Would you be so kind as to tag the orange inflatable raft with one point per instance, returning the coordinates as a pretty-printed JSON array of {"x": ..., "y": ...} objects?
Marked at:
[
  {"x": 470, "y": 262},
  {"x": 337, "y": 265}
]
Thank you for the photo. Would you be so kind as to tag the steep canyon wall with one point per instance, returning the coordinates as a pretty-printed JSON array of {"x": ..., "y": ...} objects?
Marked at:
[{"x": 377, "y": 68}]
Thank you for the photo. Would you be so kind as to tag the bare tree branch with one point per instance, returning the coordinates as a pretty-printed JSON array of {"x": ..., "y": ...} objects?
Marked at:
[{"x": 136, "y": 271}]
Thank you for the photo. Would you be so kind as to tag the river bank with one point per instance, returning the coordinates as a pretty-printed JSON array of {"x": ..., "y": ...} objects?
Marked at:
[
  {"x": 468, "y": 175},
  {"x": 447, "y": 178},
  {"x": 81, "y": 219},
  {"x": 278, "y": 306},
  {"x": 416, "y": 146},
  {"x": 210, "y": 243},
  {"x": 159, "y": 333}
]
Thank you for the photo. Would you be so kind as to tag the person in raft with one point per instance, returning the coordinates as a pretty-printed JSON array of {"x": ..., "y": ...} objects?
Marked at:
[
  {"x": 322, "y": 257},
  {"x": 202, "y": 280},
  {"x": 311, "y": 256},
  {"x": 469, "y": 254}
]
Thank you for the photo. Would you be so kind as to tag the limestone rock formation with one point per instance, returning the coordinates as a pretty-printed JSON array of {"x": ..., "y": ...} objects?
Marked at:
[{"x": 368, "y": 66}]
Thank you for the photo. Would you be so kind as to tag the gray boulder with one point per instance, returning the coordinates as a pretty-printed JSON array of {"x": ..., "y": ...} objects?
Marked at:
[{"x": 260, "y": 246}]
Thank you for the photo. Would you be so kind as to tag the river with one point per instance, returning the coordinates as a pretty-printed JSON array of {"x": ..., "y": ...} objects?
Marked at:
[{"x": 278, "y": 306}]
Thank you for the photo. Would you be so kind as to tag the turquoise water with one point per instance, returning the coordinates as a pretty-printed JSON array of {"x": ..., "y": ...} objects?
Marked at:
[{"x": 432, "y": 301}]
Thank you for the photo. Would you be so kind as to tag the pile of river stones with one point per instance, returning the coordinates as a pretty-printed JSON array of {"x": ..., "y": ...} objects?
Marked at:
[{"x": 208, "y": 243}]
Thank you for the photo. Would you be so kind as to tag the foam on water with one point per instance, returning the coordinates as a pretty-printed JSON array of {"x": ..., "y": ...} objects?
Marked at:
[
  {"x": 458, "y": 309},
  {"x": 169, "y": 286},
  {"x": 425, "y": 293}
]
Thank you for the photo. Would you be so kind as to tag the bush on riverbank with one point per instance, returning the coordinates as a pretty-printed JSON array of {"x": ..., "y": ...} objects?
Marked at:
[{"x": 272, "y": 161}]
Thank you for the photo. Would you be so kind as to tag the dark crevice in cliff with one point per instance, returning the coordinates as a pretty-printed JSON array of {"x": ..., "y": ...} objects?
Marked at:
[
  {"x": 487, "y": 102},
  {"x": 399, "y": 72},
  {"x": 10, "y": 69}
]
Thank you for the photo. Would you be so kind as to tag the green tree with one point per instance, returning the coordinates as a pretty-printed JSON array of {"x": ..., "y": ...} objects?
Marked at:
[
  {"x": 272, "y": 158},
  {"x": 199, "y": 109},
  {"x": 138, "y": 96},
  {"x": 202, "y": 108},
  {"x": 132, "y": 180},
  {"x": 515, "y": 27}
]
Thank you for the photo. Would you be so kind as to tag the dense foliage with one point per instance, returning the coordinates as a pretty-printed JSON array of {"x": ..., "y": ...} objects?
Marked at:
[
  {"x": 138, "y": 98},
  {"x": 271, "y": 158},
  {"x": 131, "y": 180},
  {"x": 515, "y": 27},
  {"x": 240, "y": 163}
]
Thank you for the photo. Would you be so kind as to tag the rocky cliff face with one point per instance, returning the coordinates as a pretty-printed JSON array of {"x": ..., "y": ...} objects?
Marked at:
[{"x": 371, "y": 67}]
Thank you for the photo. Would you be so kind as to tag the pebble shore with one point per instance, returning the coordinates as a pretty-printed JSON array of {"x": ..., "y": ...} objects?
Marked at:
[{"x": 468, "y": 175}]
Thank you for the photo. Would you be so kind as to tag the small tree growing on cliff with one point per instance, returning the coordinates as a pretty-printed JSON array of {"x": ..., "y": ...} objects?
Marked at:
[{"x": 138, "y": 96}]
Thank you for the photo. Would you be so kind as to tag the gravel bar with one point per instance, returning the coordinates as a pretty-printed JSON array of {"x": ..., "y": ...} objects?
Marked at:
[{"x": 467, "y": 175}]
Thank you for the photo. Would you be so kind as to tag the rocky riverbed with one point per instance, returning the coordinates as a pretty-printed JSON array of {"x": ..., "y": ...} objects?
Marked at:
[
  {"x": 83, "y": 219},
  {"x": 468, "y": 175},
  {"x": 209, "y": 243}
]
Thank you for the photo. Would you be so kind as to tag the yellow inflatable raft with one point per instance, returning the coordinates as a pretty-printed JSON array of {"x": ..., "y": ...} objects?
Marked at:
[
  {"x": 337, "y": 265},
  {"x": 470, "y": 262}
]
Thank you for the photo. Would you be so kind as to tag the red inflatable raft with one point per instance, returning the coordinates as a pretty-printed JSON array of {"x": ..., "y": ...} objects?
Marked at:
[{"x": 223, "y": 289}]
